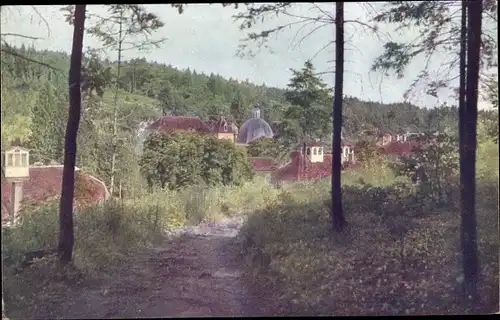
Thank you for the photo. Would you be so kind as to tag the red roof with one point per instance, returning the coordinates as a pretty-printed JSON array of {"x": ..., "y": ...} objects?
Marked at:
[
  {"x": 263, "y": 164},
  {"x": 301, "y": 168},
  {"x": 222, "y": 126},
  {"x": 44, "y": 185},
  {"x": 386, "y": 134},
  {"x": 397, "y": 148},
  {"x": 347, "y": 144},
  {"x": 169, "y": 123},
  {"x": 312, "y": 143}
]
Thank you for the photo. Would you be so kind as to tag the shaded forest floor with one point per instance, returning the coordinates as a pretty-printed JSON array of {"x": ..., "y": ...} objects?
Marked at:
[{"x": 197, "y": 273}]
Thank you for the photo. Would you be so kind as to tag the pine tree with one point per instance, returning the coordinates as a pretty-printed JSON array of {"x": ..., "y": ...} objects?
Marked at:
[{"x": 309, "y": 97}]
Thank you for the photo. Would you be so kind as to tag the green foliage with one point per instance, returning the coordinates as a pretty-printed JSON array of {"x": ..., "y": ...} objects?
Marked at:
[
  {"x": 490, "y": 86},
  {"x": 140, "y": 99},
  {"x": 367, "y": 151},
  {"x": 49, "y": 124},
  {"x": 170, "y": 100},
  {"x": 398, "y": 255},
  {"x": 263, "y": 147},
  {"x": 105, "y": 231},
  {"x": 239, "y": 108},
  {"x": 437, "y": 28},
  {"x": 487, "y": 127},
  {"x": 178, "y": 160},
  {"x": 97, "y": 77},
  {"x": 309, "y": 98},
  {"x": 434, "y": 166}
]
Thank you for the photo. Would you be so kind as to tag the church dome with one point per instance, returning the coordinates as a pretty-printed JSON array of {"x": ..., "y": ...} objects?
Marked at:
[{"x": 254, "y": 129}]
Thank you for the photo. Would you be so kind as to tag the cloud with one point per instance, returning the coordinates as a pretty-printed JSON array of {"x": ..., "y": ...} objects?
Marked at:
[{"x": 205, "y": 38}]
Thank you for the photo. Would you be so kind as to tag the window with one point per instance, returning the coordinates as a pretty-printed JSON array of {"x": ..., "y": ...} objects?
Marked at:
[
  {"x": 10, "y": 159},
  {"x": 308, "y": 151},
  {"x": 24, "y": 160},
  {"x": 225, "y": 127},
  {"x": 320, "y": 151},
  {"x": 17, "y": 159},
  {"x": 315, "y": 151}
]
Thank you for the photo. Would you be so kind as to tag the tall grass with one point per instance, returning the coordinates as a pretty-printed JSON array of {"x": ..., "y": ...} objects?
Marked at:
[{"x": 104, "y": 232}]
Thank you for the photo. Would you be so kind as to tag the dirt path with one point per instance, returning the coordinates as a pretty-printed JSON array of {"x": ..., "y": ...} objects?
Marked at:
[{"x": 197, "y": 273}]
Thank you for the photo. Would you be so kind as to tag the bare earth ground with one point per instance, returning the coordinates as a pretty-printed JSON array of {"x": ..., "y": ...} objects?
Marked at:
[{"x": 196, "y": 273}]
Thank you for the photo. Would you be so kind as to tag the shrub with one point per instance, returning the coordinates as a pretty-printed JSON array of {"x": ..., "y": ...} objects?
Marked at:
[
  {"x": 434, "y": 166},
  {"x": 178, "y": 160},
  {"x": 366, "y": 151},
  {"x": 263, "y": 147}
]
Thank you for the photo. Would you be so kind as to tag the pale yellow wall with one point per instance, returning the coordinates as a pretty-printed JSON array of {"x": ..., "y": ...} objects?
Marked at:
[
  {"x": 226, "y": 136},
  {"x": 16, "y": 163},
  {"x": 316, "y": 154}
]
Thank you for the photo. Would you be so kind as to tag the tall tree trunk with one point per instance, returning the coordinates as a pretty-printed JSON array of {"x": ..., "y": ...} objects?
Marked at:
[
  {"x": 462, "y": 88},
  {"x": 3, "y": 308},
  {"x": 468, "y": 175},
  {"x": 338, "y": 219},
  {"x": 66, "y": 232},
  {"x": 115, "y": 108}
]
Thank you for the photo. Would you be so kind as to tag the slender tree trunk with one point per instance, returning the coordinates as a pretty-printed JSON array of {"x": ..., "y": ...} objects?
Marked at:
[
  {"x": 115, "y": 109},
  {"x": 462, "y": 88},
  {"x": 468, "y": 175},
  {"x": 3, "y": 308},
  {"x": 66, "y": 232},
  {"x": 338, "y": 219},
  {"x": 461, "y": 95},
  {"x": 438, "y": 159}
]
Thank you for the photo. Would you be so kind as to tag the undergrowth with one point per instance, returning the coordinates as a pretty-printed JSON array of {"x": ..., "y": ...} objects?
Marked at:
[{"x": 399, "y": 255}]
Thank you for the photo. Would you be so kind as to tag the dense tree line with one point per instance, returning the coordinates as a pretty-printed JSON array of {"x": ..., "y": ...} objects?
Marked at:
[{"x": 187, "y": 92}]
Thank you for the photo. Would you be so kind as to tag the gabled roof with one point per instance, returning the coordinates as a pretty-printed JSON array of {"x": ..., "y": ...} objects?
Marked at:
[
  {"x": 301, "y": 168},
  {"x": 221, "y": 126},
  {"x": 45, "y": 183},
  {"x": 310, "y": 143},
  {"x": 314, "y": 143},
  {"x": 169, "y": 123},
  {"x": 263, "y": 164},
  {"x": 15, "y": 148},
  {"x": 398, "y": 148}
]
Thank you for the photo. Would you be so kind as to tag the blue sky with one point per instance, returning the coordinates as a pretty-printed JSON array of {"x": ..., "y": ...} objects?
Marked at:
[{"x": 205, "y": 38}]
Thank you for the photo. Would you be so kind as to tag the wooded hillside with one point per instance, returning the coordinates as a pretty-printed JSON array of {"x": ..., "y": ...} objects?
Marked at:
[
  {"x": 188, "y": 92},
  {"x": 35, "y": 101}
]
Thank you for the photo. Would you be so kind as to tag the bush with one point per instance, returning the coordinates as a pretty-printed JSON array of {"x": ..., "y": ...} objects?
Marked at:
[
  {"x": 179, "y": 160},
  {"x": 433, "y": 166},
  {"x": 263, "y": 147}
]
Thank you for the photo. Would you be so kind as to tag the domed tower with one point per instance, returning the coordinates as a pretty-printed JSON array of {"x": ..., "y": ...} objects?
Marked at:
[{"x": 254, "y": 128}]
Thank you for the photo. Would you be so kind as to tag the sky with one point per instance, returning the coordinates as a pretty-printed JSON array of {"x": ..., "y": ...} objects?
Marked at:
[{"x": 206, "y": 38}]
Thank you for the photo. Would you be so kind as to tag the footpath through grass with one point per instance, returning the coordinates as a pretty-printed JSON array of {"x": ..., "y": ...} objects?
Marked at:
[{"x": 106, "y": 235}]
